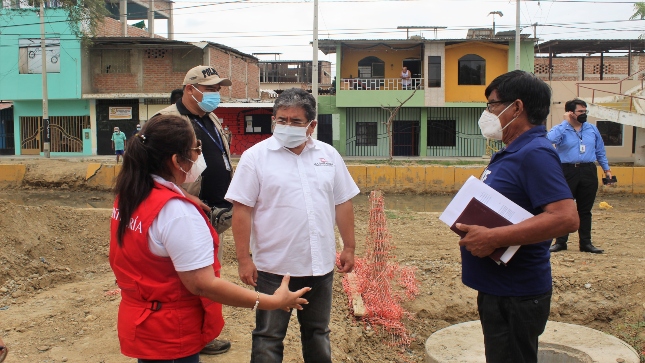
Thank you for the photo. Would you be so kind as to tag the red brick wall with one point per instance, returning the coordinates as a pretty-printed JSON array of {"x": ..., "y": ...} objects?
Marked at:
[
  {"x": 569, "y": 68},
  {"x": 158, "y": 75},
  {"x": 234, "y": 66},
  {"x": 154, "y": 74},
  {"x": 115, "y": 83},
  {"x": 112, "y": 28}
]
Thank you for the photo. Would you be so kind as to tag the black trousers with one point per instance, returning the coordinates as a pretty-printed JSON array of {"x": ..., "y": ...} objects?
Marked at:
[
  {"x": 583, "y": 182},
  {"x": 512, "y": 326}
]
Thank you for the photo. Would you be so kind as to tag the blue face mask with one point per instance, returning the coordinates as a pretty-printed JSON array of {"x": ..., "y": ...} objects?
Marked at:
[{"x": 210, "y": 100}]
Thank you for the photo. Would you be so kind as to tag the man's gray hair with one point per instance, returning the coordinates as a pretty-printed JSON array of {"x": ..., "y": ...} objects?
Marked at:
[{"x": 296, "y": 97}]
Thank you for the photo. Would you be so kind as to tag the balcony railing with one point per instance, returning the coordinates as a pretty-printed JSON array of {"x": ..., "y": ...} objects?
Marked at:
[
  {"x": 29, "y": 4},
  {"x": 383, "y": 84}
]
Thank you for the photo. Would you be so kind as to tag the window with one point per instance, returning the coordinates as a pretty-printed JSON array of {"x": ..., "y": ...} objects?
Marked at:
[
  {"x": 366, "y": 134},
  {"x": 472, "y": 70},
  {"x": 185, "y": 59},
  {"x": 611, "y": 132},
  {"x": 30, "y": 56},
  {"x": 257, "y": 124},
  {"x": 115, "y": 61},
  {"x": 371, "y": 67},
  {"x": 434, "y": 71},
  {"x": 442, "y": 133}
]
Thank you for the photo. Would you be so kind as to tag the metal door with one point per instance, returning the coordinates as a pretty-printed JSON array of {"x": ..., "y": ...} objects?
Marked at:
[
  {"x": 325, "y": 133},
  {"x": 405, "y": 138},
  {"x": 6, "y": 132},
  {"x": 30, "y": 135},
  {"x": 105, "y": 126}
]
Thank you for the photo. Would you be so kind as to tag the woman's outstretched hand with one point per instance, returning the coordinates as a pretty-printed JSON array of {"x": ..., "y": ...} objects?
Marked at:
[{"x": 290, "y": 299}]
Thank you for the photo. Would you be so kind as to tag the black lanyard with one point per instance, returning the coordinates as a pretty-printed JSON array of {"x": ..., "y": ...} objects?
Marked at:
[{"x": 220, "y": 144}]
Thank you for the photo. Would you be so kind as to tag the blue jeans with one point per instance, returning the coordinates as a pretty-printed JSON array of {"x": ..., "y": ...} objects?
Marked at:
[
  {"x": 190, "y": 359},
  {"x": 271, "y": 326},
  {"x": 512, "y": 326}
]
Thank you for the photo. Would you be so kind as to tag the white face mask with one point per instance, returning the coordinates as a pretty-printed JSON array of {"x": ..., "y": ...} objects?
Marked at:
[
  {"x": 491, "y": 126},
  {"x": 290, "y": 136},
  {"x": 196, "y": 170}
]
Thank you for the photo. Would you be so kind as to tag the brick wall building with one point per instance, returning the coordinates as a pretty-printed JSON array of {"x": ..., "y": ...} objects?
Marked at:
[
  {"x": 571, "y": 68},
  {"x": 242, "y": 69},
  {"x": 144, "y": 65}
]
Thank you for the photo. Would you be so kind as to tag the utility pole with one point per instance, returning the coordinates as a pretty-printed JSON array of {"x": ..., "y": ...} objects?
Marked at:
[
  {"x": 535, "y": 31},
  {"x": 517, "y": 34},
  {"x": 314, "y": 65},
  {"x": 43, "y": 61}
]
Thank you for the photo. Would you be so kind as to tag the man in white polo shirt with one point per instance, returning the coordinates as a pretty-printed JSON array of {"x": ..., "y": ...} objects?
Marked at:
[{"x": 288, "y": 191}]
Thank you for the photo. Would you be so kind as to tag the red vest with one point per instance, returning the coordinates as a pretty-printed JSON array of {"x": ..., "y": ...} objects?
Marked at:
[{"x": 158, "y": 317}]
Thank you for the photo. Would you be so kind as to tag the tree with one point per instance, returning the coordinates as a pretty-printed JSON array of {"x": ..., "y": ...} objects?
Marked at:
[
  {"x": 83, "y": 16},
  {"x": 393, "y": 112},
  {"x": 639, "y": 13}
]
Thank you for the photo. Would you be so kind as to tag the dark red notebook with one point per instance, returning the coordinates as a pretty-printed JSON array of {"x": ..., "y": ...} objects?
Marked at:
[{"x": 478, "y": 214}]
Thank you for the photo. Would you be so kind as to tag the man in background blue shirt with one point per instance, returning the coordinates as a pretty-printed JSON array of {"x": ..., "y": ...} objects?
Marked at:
[{"x": 579, "y": 145}]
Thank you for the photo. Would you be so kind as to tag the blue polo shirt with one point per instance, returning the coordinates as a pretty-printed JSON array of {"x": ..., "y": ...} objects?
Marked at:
[{"x": 528, "y": 172}]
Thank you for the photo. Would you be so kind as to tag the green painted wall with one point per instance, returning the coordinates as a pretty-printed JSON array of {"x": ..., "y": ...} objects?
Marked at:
[
  {"x": 527, "y": 56},
  {"x": 375, "y": 98},
  {"x": 26, "y": 24},
  {"x": 327, "y": 105}
]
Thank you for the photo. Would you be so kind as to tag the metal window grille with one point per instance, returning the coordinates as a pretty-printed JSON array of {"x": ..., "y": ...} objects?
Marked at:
[{"x": 366, "y": 134}]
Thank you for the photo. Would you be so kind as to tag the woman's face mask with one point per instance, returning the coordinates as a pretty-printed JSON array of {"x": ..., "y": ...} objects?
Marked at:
[
  {"x": 196, "y": 170},
  {"x": 291, "y": 136},
  {"x": 210, "y": 100},
  {"x": 491, "y": 126}
]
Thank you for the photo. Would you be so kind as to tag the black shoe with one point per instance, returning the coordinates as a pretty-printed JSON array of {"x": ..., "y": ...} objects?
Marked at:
[
  {"x": 558, "y": 247},
  {"x": 217, "y": 346},
  {"x": 590, "y": 248}
]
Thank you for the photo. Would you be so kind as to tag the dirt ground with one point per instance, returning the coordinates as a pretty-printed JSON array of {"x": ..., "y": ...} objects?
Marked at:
[{"x": 55, "y": 279}]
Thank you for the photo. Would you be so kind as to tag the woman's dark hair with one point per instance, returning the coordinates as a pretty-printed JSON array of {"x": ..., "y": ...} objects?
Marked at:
[
  {"x": 534, "y": 93},
  {"x": 149, "y": 153},
  {"x": 570, "y": 106},
  {"x": 176, "y": 95}
]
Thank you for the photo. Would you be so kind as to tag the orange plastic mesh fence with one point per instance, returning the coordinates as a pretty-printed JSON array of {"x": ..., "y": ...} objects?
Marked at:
[{"x": 376, "y": 275}]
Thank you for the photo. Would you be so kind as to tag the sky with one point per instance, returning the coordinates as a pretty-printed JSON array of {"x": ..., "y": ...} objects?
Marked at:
[{"x": 286, "y": 26}]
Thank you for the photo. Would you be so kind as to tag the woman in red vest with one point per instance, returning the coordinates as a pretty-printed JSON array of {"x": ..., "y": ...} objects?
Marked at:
[{"x": 162, "y": 252}]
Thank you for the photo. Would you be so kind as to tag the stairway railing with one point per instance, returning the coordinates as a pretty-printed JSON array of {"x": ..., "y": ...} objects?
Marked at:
[
  {"x": 593, "y": 95},
  {"x": 619, "y": 83}
]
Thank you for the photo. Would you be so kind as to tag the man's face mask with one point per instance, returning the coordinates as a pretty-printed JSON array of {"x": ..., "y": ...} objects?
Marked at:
[
  {"x": 210, "y": 100},
  {"x": 582, "y": 118},
  {"x": 491, "y": 126},
  {"x": 291, "y": 136}
]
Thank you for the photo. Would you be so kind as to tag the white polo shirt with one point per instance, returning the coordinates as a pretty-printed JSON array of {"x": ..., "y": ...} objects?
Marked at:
[
  {"x": 293, "y": 199},
  {"x": 180, "y": 232}
]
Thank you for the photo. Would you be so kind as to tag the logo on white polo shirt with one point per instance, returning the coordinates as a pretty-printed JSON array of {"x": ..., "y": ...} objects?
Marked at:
[{"x": 323, "y": 162}]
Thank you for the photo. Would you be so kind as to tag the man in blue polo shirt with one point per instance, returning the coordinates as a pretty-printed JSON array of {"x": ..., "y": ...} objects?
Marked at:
[
  {"x": 579, "y": 145},
  {"x": 514, "y": 301}
]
